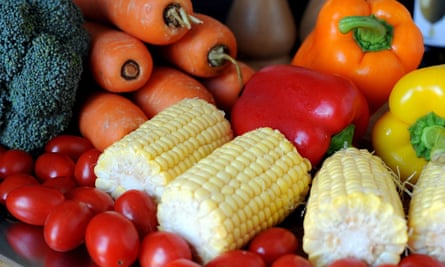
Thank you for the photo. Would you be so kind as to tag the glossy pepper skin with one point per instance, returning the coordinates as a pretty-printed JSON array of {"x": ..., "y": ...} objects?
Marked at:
[
  {"x": 372, "y": 42},
  {"x": 405, "y": 136},
  {"x": 307, "y": 106}
]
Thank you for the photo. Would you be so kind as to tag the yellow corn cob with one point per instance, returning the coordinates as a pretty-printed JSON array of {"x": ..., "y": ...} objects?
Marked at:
[
  {"x": 162, "y": 148},
  {"x": 241, "y": 188},
  {"x": 354, "y": 210},
  {"x": 426, "y": 215}
]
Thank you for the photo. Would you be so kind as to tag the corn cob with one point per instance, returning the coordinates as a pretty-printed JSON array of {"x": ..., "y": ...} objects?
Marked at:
[
  {"x": 241, "y": 188},
  {"x": 354, "y": 210},
  {"x": 162, "y": 148},
  {"x": 426, "y": 215}
]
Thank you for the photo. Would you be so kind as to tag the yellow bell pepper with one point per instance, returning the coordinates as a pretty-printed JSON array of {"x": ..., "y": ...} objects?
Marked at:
[{"x": 407, "y": 135}]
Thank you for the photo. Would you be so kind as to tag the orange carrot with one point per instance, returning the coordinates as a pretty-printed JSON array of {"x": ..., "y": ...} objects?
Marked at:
[
  {"x": 167, "y": 86},
  {"x": 106, "y": 117},
  {"x": 205, "y": 51},
  {"x": 227, "y": 86},
  {"x": 118, "y": 61},
  {"x": 153, "y": 21}
]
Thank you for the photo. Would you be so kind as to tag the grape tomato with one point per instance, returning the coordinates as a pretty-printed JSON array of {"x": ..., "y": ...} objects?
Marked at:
[{"x": 71, "y": 145}]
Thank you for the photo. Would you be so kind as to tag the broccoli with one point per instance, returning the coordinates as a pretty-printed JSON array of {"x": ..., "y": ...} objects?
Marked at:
[{"x": 43, "y": 47}]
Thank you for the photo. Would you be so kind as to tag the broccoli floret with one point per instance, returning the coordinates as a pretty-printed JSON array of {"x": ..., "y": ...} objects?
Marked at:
[{"x": 43, "y": 47}]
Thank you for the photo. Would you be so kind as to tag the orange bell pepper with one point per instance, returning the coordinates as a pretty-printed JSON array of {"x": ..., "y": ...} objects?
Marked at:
[{"x": 371, "y": 42}]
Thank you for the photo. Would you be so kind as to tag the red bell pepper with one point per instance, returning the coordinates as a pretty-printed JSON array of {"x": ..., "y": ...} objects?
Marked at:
[{"x": 307, "y": 106}]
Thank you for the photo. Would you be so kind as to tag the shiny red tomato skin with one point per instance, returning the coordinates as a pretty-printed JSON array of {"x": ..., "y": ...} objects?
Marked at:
[
  {"x": 27, "y": 241},
  {"x": 348, "y": 262},
  {"x": 53, "y": 164},
  {"x": 84, "y": 169},
  {"x": 32, "y": 203},
  {"x": 159, "y": 248},
  {"x": 291, "y": 260},
  {"x": 63, "y": 183},
  {"x": 14, "y": 181},
  {"x": 419, "y": 260},
  {"x": 182, "y": 263},
  {"x": 112, "y": 240},
  {"x": 71, "y": 145},
  {"x": 273, "y": 242},
  {"x": 237, "y": 257},
  {"x": 14, "y": 161},
  {"x": 96, "y": 199},
  {"x": 140, "y": 208},
  {"x": 65, "y": 226}
]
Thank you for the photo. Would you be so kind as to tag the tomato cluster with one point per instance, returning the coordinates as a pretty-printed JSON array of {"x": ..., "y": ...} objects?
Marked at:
[{"x": 57, "y": 215}]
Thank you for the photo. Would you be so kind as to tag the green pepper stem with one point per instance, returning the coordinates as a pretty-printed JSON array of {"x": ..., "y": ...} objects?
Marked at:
[
  {"x": 370, "y": 33},
  {"x": 427, "y": 136},
  {"x": 434, "y": 139},
  {"x": 341, "y": 140}
]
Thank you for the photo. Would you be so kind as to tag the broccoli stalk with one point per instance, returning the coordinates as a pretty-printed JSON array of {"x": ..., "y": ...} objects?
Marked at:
[{"x": 43, "y": 45}]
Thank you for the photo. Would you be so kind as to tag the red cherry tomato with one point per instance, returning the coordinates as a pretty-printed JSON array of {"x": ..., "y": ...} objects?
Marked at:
[
  {"x": 237, "y": 257},
  {"x": 27, "y": 241},
  {"x": 84, "y": 169},
  {"x": 182, "y": 263},
  {"x": 63, "y": 183},
  {"x": 96, "y": 199},
  {"x": 32, "y": 203},
  {"x": 273, "y": 243},
  {"x": 14, "y": 181},
  {"x": 388, "y": 265},
  {"x": 71, "y": 145},
  {"x": 291, "y": 260},
  {"x": 14, "y": 161},
  {"x": 159, "y": 248},
  {"x": 53, "y": 164},
  {"x": 140, "y": 208},
  {"x": 420, "y": 260},
  {"x": 65, "y": 226},
  {"x": 348, "y": 262},
  {"x": 112, "y": 240}
]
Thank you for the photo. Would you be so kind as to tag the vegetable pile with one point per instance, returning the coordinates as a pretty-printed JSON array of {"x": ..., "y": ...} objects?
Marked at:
[{"x": 153, "y": 149}]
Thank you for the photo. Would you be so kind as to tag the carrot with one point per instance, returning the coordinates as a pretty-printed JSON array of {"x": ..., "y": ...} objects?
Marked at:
[
  {"x": 205, "y": 51},
  {"x": 153, "y": 21},
  {"x": 227, "y": 87},
  {"x": 167, "y": 86},
  {"x": 118, "y": 61},
  {"x": 106, "y": 117}
]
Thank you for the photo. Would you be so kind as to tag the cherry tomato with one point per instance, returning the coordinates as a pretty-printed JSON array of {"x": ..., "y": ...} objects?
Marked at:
[
  {"x": 63, "y": 183},
  {"x": 53, "y": 164},
  {"x": 14, "y": 161},
  {"x": 388, "y": 265},
  {"x": 71, "y": 145},
  {"x": 140, "y": 208},
  {"x": 84, "y": 169},
  {"x": 112, "y": 240},
  {"x": 420, "y": 260},
  {"x": 291, "y": 260},
  {"x": 32, "y": 203},
  {"x": 14, "y": 181},
  {"x": 27, "y": 241},
  {"x": 96, "y": 199},
  {"x": 273, "y": 243},
  {"x": 237, "y": 257},
  {"x": 182, "y": 263},
  {"x": 65, "y": 226},
  {"x": 348, "y": 262},
  {"x": 159, "y": 248}
]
